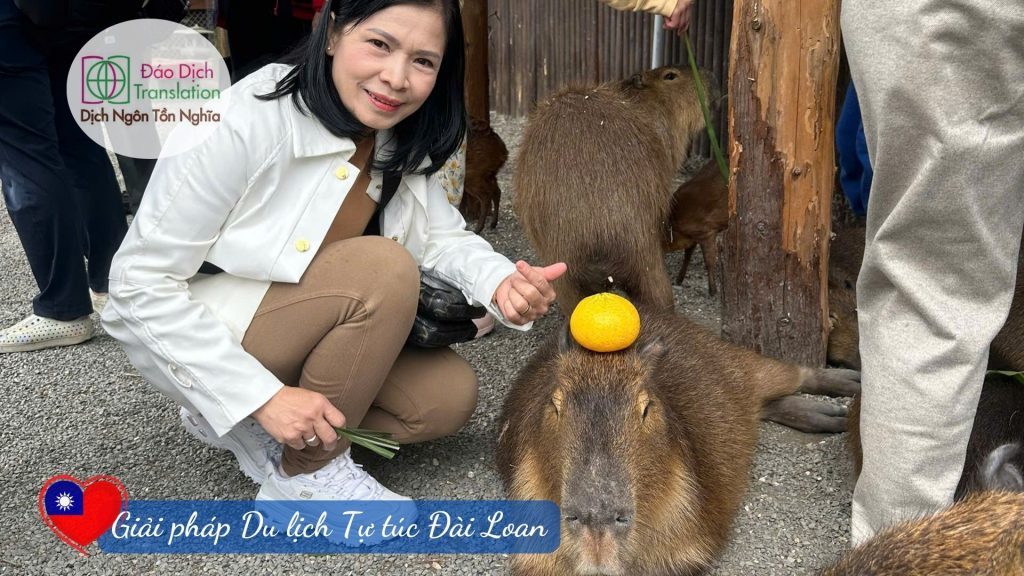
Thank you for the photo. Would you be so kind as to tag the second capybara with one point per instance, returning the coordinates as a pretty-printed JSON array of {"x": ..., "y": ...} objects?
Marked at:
[
  {"x": 485, "y": 155},
  {"x": 593, "y": 180},
  {"x": 700, "y": 210},
  {"x": 647, "y": 451},
  {"x": 981, "y": 536}
]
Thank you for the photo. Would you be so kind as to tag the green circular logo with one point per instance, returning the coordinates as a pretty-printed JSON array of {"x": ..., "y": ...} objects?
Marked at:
[{"x": 106, "y": 80}]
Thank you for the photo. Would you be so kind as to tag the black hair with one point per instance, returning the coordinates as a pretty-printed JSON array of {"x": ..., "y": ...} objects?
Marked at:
[{"x": 435, "y": 130}]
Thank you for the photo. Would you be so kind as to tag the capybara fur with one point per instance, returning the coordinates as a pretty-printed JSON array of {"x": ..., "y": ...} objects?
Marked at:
[
  {"x": 998, "y": 420},
  {"x": 843, "y": 336},
  {"x": 700, "y": 210},
  {"x": 647, "y": 451},
  {"x": 845, "y": 253},
  {"x": 593, "y": 180},
  {"x": 485, "y": 155},
  {"x": 982, "y": 535}
]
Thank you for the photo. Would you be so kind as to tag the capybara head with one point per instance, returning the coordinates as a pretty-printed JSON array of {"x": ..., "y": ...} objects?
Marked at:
[
  {"x": 613, "y": 435},
  {"x": 671, "y": 90}
]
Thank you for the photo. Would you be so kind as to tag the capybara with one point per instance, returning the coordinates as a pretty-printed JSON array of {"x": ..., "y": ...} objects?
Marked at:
[
  {"x": 485, "y": 155},
  {"x": 593, "y": 180},
  {"x": 647, "y": 451},
  {"x": 843, "y": 336},
  {"x": 700, "y": 210},
  {"x": 980, "y": 536}
]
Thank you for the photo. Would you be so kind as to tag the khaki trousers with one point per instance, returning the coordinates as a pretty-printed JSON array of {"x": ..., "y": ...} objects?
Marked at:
[
  {"x": 341, "y": 332},
  {"x": 943, "y": 105}
]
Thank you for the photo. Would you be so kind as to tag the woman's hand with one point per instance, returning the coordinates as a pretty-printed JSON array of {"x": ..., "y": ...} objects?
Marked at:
[
  {"x": 300, "y": 418},
  {"x": 526, "y": 294},
  {"x": 679, "y": 20}
]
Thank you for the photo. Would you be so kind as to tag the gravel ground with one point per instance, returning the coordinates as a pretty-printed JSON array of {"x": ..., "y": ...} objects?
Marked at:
[{"x": 84, "y": 411}]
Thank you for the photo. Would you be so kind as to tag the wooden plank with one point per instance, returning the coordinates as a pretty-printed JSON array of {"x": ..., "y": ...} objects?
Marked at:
[
  {"x": 474, "y": 21},
  {"x": 782, "y": 85}
]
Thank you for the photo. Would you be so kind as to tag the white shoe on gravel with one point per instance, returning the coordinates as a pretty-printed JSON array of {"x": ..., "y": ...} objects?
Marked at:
[
  {"x": 309, "y": 496},
  {"x": 37, "y": 333},
  {"x": 256, "y": 451},
  {"x": 340, "y": 479}
]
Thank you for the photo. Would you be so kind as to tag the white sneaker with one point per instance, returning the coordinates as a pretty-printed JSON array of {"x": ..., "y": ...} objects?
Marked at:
[
  {"x": 340, "y": 479},
  {"x": 327, "y": 496},
  {"x": 99, "y": 300},
  {"x": 37, "y": 333},
  {"x": 256, "y": 451}
]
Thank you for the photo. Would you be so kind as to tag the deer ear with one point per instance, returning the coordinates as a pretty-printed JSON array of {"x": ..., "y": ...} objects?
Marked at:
[
  {"x": 566, "y": 342},
  {"x": 638, "y": 81},
  {"x": 653, "y": 350}
]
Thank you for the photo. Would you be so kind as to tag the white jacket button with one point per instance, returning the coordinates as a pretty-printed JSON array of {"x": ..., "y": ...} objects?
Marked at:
[
  {"x": 341, "y": 173},
  {"x": 302, "y": 245},
  {"x": 180, "y": 377}
]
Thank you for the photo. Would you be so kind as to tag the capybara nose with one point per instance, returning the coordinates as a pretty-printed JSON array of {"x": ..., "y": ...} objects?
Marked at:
[{"x": 597, "y": 516}]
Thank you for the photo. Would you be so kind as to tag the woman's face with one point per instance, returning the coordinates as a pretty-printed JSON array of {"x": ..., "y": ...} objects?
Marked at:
[{"x": 385, "y": 67}]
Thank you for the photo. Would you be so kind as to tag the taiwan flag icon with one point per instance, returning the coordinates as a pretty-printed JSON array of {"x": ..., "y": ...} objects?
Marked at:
[
  {"x": 64, "y": 498},
  {"x": 78, "y": 512}
]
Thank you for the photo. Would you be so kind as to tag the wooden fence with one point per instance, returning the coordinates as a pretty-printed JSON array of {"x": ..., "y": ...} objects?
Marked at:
[{"x": 539, "y": 46}]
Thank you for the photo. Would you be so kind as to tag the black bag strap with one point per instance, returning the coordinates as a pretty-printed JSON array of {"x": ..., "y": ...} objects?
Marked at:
[{"x": 388, "y": 189}]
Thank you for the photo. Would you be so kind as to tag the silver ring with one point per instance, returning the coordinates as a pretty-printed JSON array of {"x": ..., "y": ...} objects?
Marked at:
[{"x": 311, "y": 441}]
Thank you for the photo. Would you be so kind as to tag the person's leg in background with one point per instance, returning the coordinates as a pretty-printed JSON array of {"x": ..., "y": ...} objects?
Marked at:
[
  {"x": 39, "y": 200},
  {"x": 97, "y": 194},
  {"x": 942, "y": 117}
]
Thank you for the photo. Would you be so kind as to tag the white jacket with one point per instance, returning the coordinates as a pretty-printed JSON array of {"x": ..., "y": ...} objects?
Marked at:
[{"x": 256, "y": 199}]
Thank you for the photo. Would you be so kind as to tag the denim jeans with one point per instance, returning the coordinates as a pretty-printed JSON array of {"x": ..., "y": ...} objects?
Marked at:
[{"x": 58, "y": 185}]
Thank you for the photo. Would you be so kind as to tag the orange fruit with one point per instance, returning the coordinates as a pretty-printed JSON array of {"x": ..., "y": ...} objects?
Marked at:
[{"x": 605, "y": 322}]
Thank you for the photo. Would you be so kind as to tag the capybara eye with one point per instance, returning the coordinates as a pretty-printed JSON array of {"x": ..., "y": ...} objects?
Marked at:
[
  {"x": 556, "y": 401},
  {"x": 622, "y": 520},
  {"x": 647, "y": 408},
  {"x": 572, "y": 518},
  {"x": 671, "y": 76}
]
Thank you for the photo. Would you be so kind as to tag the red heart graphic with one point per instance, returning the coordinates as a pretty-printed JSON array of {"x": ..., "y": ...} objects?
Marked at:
[{"x": 103, "y": 498}]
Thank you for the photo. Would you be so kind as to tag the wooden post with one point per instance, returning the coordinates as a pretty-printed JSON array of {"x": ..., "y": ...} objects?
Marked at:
[
  {"x": 784, "y": 61},
  {"x": 474, "y": 21}
]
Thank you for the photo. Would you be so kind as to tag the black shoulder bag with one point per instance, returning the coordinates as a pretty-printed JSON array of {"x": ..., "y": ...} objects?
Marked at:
[{"x": 443, "y": 315}]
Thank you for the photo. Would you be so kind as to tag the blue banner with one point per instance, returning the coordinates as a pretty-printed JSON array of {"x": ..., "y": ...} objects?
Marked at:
[{"x": 331, "y": 527}]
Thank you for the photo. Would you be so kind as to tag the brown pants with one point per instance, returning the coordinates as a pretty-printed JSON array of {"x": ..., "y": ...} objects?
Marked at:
[{"x": 341, "y": 332}]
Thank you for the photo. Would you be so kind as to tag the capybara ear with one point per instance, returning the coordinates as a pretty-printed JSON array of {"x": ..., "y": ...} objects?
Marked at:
[
  {"x": 999, "y": 471},
  {"x": 566, "y": 342},
  {"x": 638, "y": 81},
  {"x": 653, "y": 350}
]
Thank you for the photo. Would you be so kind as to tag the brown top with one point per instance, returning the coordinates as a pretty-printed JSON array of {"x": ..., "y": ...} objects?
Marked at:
[{"x": 358, "y": 207}]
